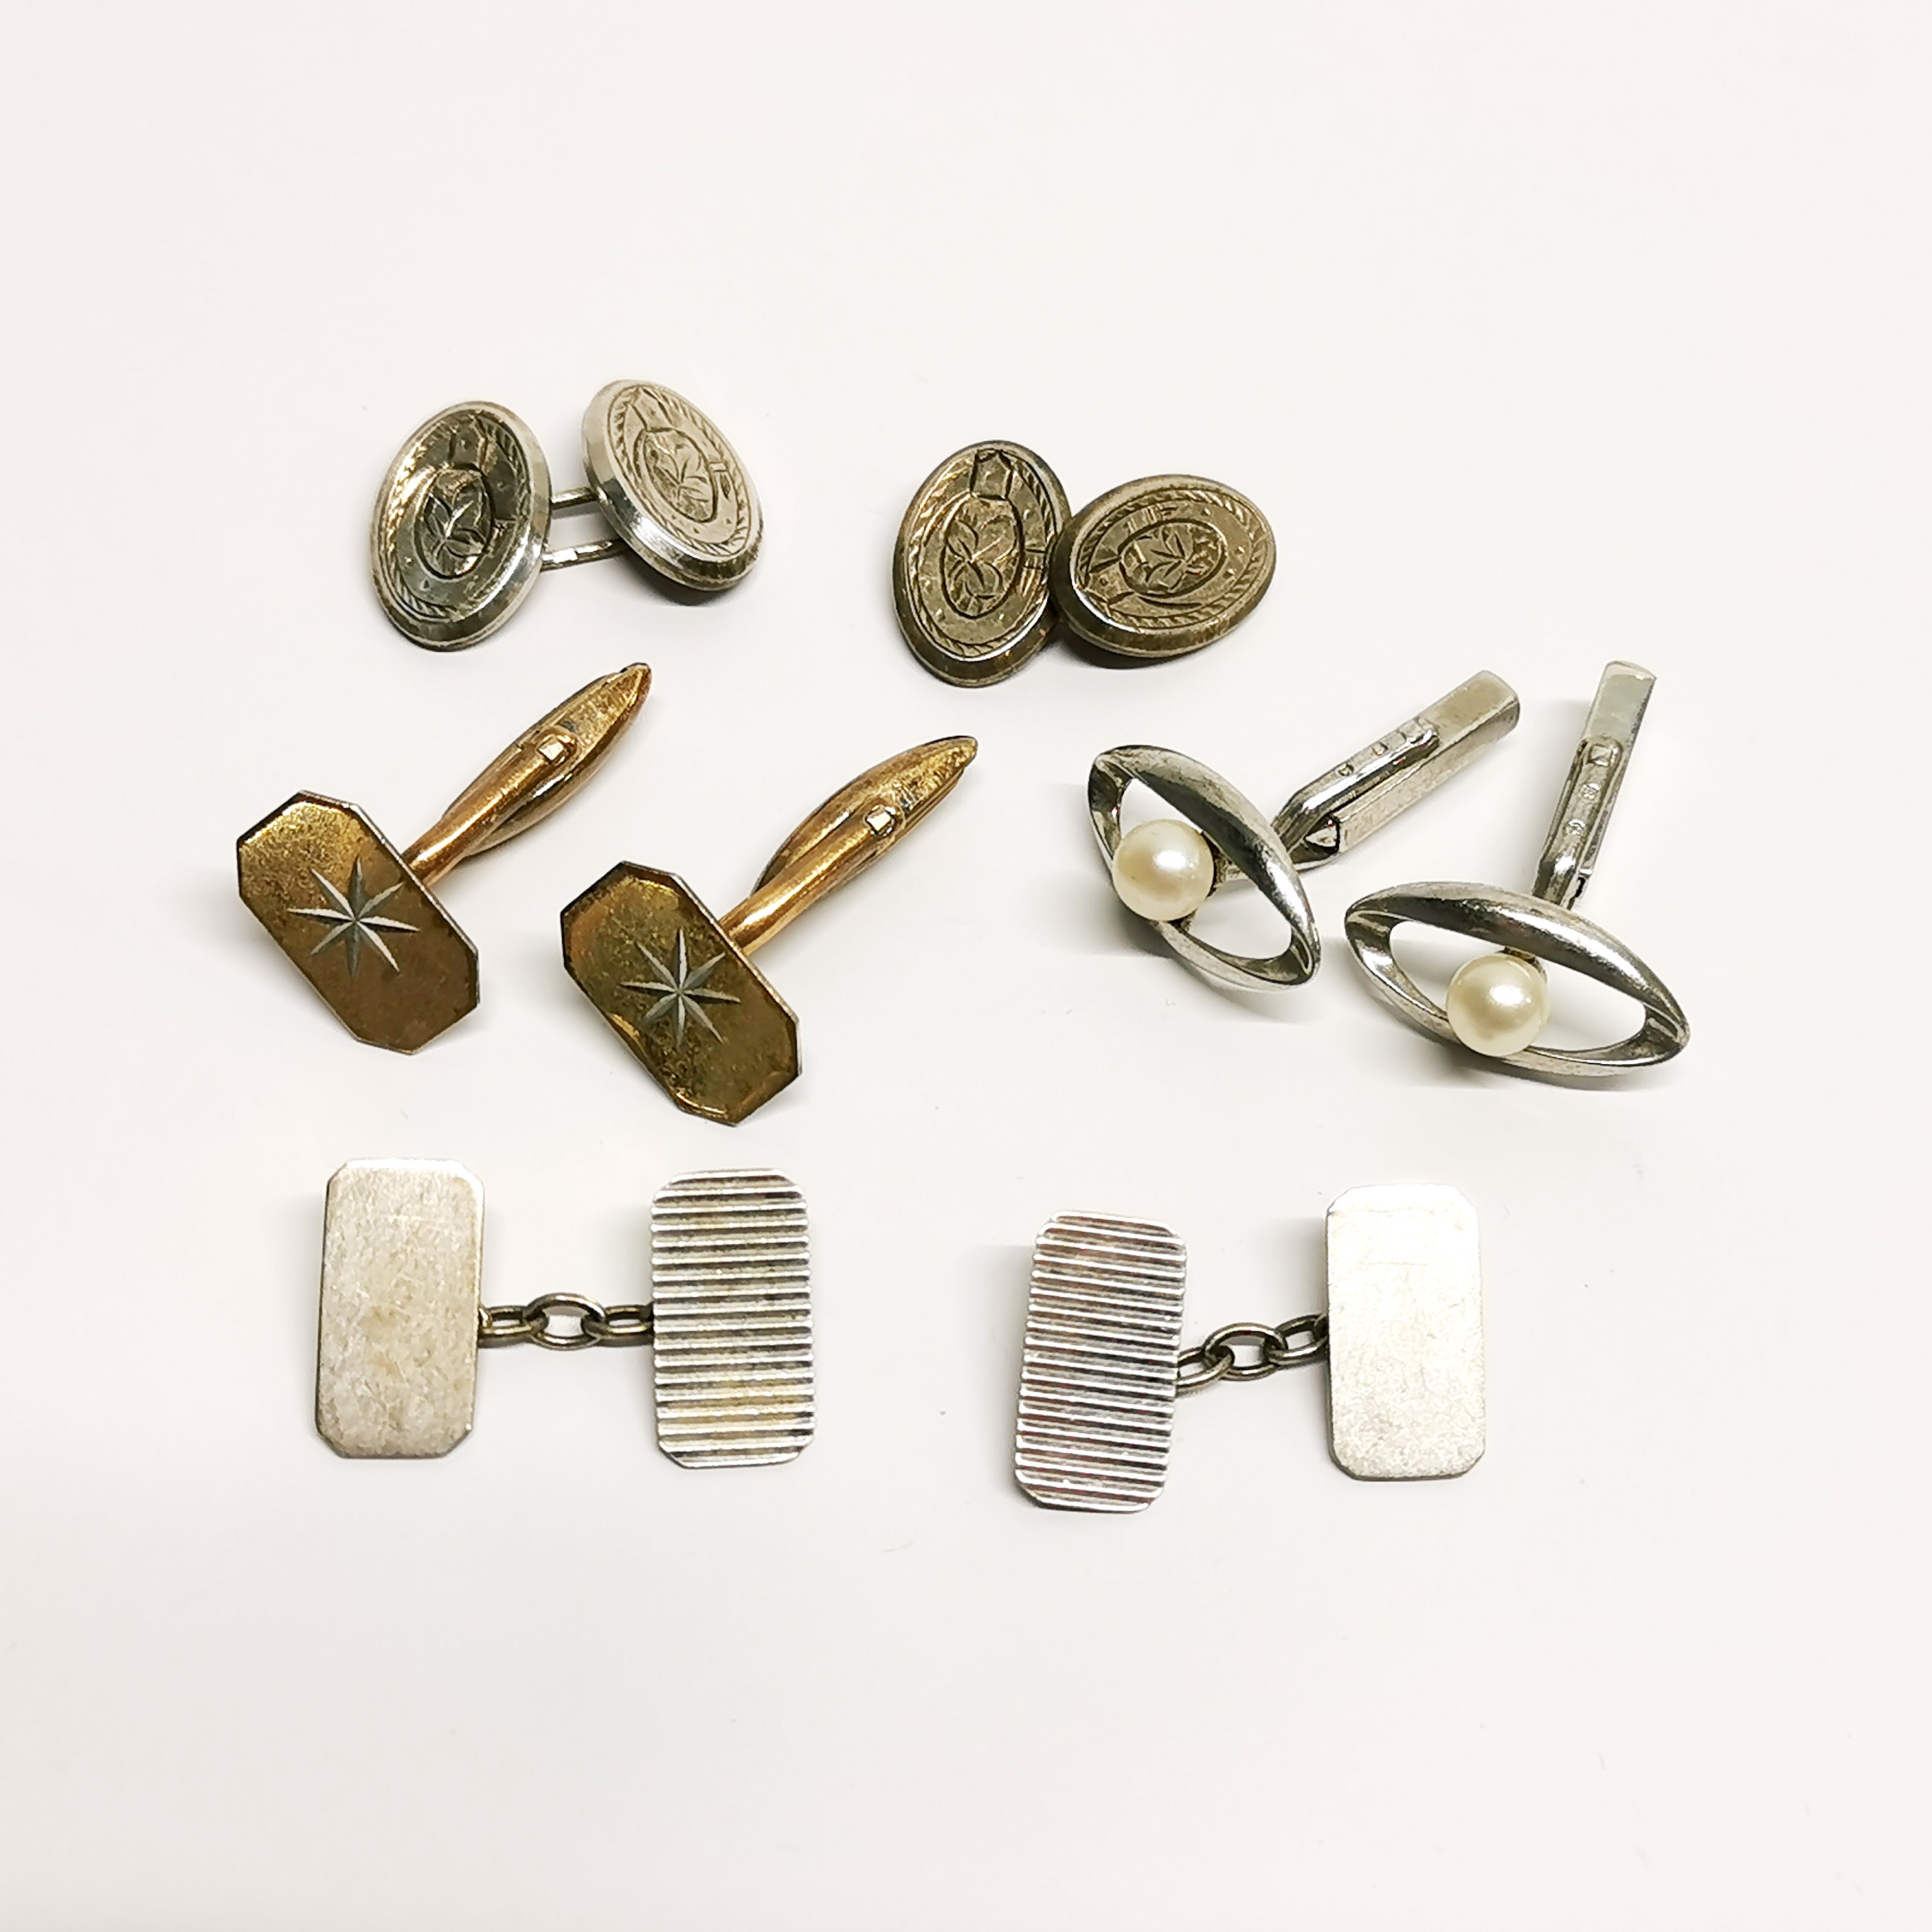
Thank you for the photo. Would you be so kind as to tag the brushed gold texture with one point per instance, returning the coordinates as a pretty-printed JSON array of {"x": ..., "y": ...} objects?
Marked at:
[
  {"x": 677, "y": 984},
  {"x": 357, "y": 917}
]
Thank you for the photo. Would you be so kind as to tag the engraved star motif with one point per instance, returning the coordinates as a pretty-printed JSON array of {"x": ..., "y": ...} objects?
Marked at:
[
  {"x": 682, "y": 991},
  {"x": 352, "y": 917}
]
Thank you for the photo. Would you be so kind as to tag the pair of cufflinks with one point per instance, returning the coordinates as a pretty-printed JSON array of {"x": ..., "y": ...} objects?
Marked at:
[
  {"x": 403, "y": 1320},
  {"x": 1498, "y": 1004},
  {"x": 359, "y": 920},
  {"x": 462, "y": 518}
]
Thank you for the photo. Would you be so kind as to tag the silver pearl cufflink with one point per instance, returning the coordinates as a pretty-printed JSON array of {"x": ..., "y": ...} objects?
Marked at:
[
  {"x": 403, "y": 1315},
  {"x": 1103, "y": 1366},
  {"x": 1165, "y": 869},
  {"x": 463, "y": 518},
  {"x": 1497, "y": 1004}
]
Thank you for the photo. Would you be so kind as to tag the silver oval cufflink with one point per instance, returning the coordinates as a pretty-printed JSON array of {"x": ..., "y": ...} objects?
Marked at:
[
  {"x": 1166, "y": 870},
  {"x": 1497, "y": 1004},
  {"x": 403, "y": 1315},
  {"x": 1103, "y": 1366},
  {"x": 462, "y": 518}
]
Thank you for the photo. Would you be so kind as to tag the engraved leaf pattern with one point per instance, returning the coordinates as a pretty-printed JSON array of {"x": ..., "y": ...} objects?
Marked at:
[
  {"x": 1172, "y": 559},
  {"x": 980, "y": 556},
  {"x": 453, "y": 530},
  {"x": 678, "y": 466}
]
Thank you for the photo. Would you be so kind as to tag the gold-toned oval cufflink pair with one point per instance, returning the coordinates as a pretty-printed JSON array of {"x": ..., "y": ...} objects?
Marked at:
[
  {"x": 357, "y": 918},
  {"x": 1166, "y": 870},
  {"x": 402, "y": 1316},
  {"x": 989, "y": 558},
  {"x": 462, "y": 518},
  {"x": 1102, "y": 1365}
]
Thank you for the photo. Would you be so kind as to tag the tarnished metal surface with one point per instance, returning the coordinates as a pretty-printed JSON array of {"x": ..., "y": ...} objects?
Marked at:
[
  {"x": 458, "y": 534},
  {"x": 1162, "y": 566},
  {"x": 1405, "y": 1384},
  {"x": 730, "y": 1284},
  {"x": 1098, "y": 1383},
  {"x": 969, "y": 569},
  {"x": 402, "y": 1264}
]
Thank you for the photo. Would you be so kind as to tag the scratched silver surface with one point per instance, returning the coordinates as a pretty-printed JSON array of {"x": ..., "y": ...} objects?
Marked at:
[
  {"x": 402, "y": 1271},
  {"x": 1097, "y": 1383},
  {"x": 730, "y": 1284},
  {"x": 1405, "y": 1382}
]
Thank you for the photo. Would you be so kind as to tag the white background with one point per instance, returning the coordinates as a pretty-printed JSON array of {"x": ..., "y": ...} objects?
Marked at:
[{"x": 1543, "y": 335}]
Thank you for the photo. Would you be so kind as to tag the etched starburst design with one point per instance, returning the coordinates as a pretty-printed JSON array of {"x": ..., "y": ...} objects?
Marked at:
[
  {"x": 354, "y": 918},
  {"x": 682, "y": 994}
]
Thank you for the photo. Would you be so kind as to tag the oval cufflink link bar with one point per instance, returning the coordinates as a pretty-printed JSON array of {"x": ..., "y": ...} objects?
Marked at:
[
  {"x": 463, "y": 518},
  {"x": 677, "y": 984},
  {"x": 1102, "y": 1365},
  {"x": 1166, "y": 870},
  {"x": 1497, "y": 1004},
  {"x": 356, "y": 917},
  {"x": 403, "y": 1315}
]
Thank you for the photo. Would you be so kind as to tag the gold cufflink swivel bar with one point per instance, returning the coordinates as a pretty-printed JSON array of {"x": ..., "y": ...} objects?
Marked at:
[
  {"x": 403, "y": 1315},
  {"x": 463, "y": 516},
  {"x": 357, "y": 917},
  {"x": 1103, "y": 1366},
  {"x": 678, "y": 985}
]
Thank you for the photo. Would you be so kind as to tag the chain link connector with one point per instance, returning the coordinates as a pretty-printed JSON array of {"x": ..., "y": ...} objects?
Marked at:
[
  {"x": 626, "y": 1325},
  {"x": 1293, "y": 1345}
]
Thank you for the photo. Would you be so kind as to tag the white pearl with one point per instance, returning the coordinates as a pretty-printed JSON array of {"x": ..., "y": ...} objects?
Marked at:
[
  {"x": 1164, "y": 869},
  {"x": 1498, "y": 1004}
]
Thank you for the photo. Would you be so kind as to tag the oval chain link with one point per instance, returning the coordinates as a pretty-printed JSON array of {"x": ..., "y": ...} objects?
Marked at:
[
  {"x": 1302, "y": 1340},
  {"x": 624, "y": 1324}
]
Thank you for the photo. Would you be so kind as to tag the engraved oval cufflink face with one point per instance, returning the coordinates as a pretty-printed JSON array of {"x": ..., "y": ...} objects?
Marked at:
[
  {"x": 1162, "y": 566},
  {"x": 1166, "y": 870},
  {"x": 357, "y": 918},
  {"x": 1497, "y": 1004},
  {"x": 969, "y": 569},
  {"x": 671, "y": 485},
  {"x": 459, "y": 526},
  {"x": 464, "y": 514},
  {"x": 403, "y": 1315},
  {"x": 1102, "y": 1366}
]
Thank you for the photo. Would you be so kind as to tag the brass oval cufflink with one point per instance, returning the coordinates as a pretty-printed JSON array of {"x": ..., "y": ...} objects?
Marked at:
[
  {"x": 1497, "y": 1004},
  {"x": 1166, "y": 870},
  {"x": 1103, "y": 1366},
  {"x": 403, "y": 1315},
  {"x": 989, "y": 557},
  {"x": 463, "y": 518},
  {"x": 357, "y": 917},
  {"x": 677, "y": 984}
]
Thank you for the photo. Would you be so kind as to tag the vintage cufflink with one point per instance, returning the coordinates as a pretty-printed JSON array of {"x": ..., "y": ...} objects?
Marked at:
[
  {"x": 1103, "y": 1366},
  {"x": 1498, "y": 1004},
  {"x": 357, "y": 916},
  {"x": 989, "y": 557},
  {"x": 678, "y": 985},
  {"x": 1164, "y": 869},
  {"x": 463, "y": 515},
  {"x": 403, "y": 1315}
]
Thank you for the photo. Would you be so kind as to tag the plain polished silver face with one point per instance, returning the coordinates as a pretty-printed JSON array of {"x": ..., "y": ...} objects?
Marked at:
[
  {"x": 460, "y": 523},
  {"x": 671, "y": 484}
]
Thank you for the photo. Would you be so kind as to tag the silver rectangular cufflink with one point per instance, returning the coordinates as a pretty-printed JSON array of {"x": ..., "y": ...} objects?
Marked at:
[{"x": 1103, "y": 1366}]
